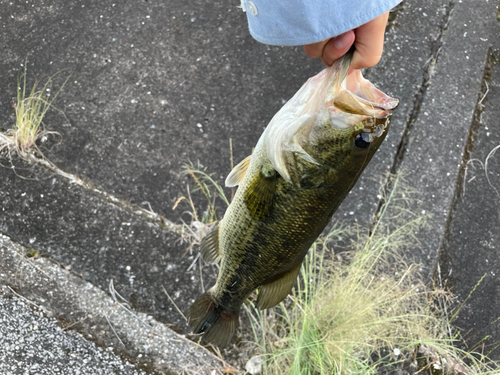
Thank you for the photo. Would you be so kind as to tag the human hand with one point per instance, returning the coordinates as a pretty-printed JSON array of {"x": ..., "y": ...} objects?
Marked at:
[{"x": 368, "y": 40}]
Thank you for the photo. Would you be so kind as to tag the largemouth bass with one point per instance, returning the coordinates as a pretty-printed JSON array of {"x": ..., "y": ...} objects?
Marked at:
[{"x": 305, "y": 163}]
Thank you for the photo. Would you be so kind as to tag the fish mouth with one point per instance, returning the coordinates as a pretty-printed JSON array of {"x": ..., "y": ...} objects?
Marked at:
[
  {"x": 352, "y": 100},
  {"x": 337, "y": 95}
]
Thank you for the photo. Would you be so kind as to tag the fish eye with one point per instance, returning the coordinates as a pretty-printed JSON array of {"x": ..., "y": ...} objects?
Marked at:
[{"x": 363, "y": 140}]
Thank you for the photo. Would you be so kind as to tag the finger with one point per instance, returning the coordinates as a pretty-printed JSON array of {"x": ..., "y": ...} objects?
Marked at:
[
  {"x": 315, "y": 49},
  {"x": 337, "y": 47},
  {"x": 369, "y": 42}
]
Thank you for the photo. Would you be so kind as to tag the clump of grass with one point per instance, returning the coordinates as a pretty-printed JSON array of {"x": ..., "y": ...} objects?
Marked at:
[
  {"x": 363, "y": 311},
  {"x": 30, "y": 108},
  {"x": 211, "y": 190}
]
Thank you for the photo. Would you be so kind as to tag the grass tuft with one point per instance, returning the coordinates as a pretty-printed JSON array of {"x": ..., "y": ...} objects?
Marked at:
[
  {"x": 30, "y": 108},
  {"x": 201, "y": 220},
  {"x": 363, "y": 311},
  {"x": 360, "y": 311}
]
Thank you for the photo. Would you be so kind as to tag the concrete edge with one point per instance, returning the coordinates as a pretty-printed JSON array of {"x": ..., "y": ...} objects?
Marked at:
[{"x": 101, "y": 318}]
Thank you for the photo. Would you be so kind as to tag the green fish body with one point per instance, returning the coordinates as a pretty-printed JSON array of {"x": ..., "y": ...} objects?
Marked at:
[{"x": 305, "y": 163}]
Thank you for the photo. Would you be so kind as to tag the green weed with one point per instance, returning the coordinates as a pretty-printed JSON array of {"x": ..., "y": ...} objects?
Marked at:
[
  {"x": 360, "y": 311},
  {"x": 30, "y": 108},
  {"x": 363, "y": 311}
]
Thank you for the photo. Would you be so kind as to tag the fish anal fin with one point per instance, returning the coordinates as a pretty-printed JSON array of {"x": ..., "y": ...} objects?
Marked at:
[
  {"x": 236, "y": 175},
  {"x": 259, "y": 196},
  {"x": 209, "y": 246},
  {"x": 273, "y": 293},
  {"x": 217, "y": 325}
]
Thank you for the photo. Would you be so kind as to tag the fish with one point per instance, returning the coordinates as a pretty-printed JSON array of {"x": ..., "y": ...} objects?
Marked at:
[{"x": 304, "y": 164}]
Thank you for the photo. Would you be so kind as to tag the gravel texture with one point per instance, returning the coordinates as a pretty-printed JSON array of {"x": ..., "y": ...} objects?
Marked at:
[
  {"x": 107, "y": 320},
  {"x": 32, "y": 342}
]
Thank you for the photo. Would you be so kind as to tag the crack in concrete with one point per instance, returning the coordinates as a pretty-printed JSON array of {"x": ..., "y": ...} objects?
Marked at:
[
  {"x": 149, "y": 215},
  {"x": 444, "y": 259},
  {"x": 428, "y": 69}
]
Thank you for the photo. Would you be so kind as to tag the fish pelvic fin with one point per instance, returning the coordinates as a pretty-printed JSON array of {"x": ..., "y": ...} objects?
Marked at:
[
  {"x": 273, "y": 293},
  {"x": 259, "y": 197},
  {"x": 209, "y": 246},
  {"x": 216, "y": 325},
  {"x": 236, "y": 175}
]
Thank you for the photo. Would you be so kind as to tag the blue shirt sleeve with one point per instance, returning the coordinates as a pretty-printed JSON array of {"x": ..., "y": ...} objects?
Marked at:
[{"x": 298, "y": 22}]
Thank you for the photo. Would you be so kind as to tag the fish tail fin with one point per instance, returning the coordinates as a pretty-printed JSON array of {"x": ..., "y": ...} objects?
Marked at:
[{"x": 217, "y": 325}]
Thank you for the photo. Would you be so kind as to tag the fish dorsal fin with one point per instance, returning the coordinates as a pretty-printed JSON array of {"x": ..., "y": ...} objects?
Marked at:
[
  {"x": 273, "y": 293},
  {"x": 259, "y": 197},
  {"x": 236, "y": 176},
  {"x": 209, "y": 246}
]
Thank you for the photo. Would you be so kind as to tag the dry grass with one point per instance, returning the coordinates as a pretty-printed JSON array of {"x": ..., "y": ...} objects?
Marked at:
[
  {"x": 363, "y": 311},
  {"x": 30, "y": 108},
  {"x": 201, "y": 219}
]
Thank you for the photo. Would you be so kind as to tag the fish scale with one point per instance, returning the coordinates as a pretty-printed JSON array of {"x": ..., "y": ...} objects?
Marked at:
[{"x": 302, "y": 168}]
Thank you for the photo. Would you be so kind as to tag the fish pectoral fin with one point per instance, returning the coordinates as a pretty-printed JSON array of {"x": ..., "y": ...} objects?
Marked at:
[
  {"x": 236, "y": 175},
  {"x": 273, "y": 293},
  {"x": 209, "y": 246},
  {"x": 259, "y": 197}
]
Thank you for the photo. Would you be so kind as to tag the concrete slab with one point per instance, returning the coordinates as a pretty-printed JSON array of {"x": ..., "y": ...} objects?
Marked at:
[
  {"x": 78, "y": 305},
  {"x": 472, "y": 246},
  {"x": 435, "y": 156},
  {"x": 102, "y": 243},
  {"x": 438, "y": 137}
]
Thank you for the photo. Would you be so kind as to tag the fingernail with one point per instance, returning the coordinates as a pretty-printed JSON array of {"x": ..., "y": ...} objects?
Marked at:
[{"x": 340, "y": 41}]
